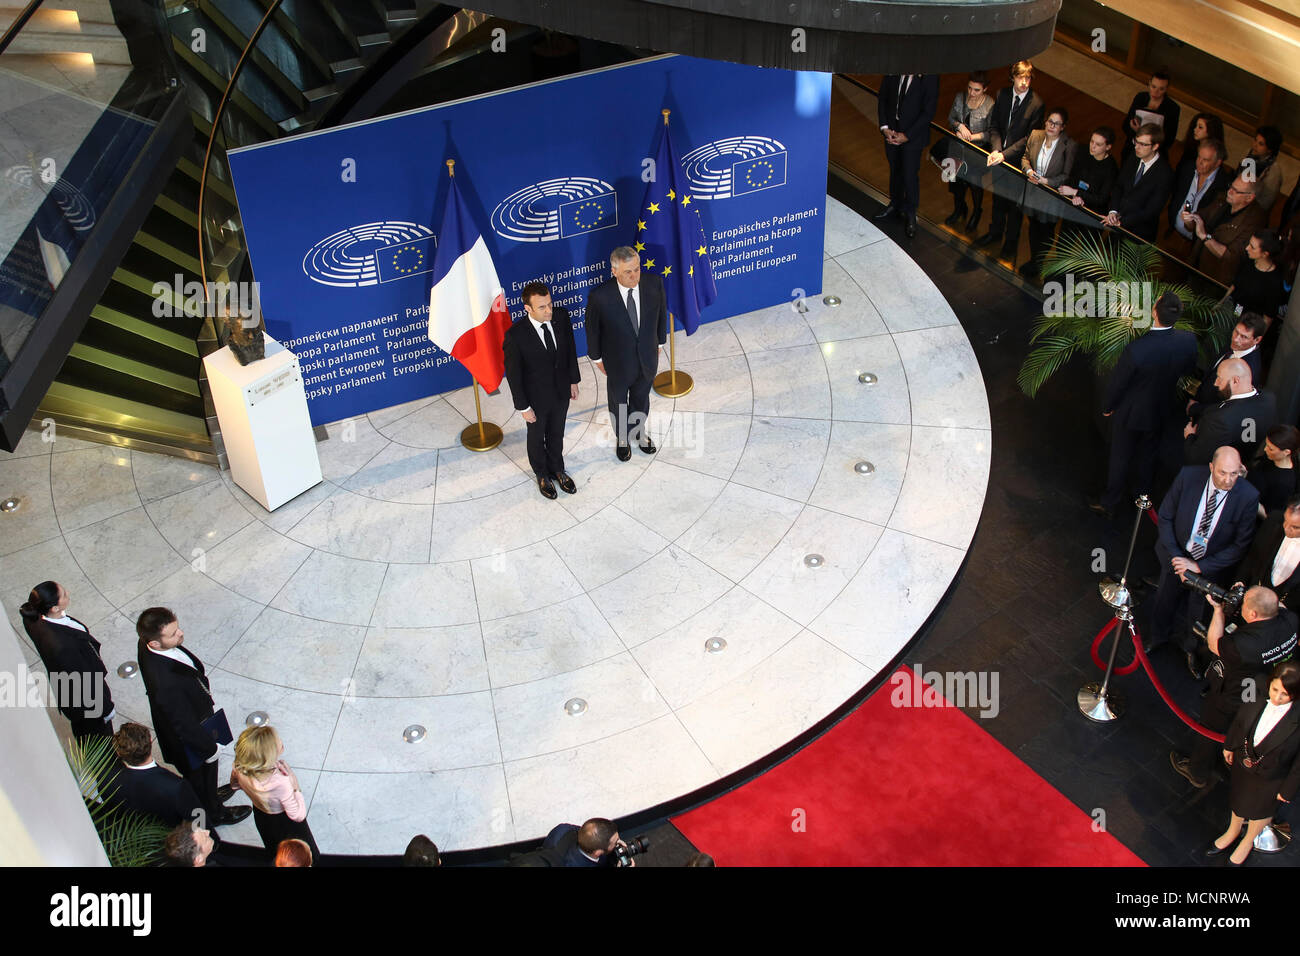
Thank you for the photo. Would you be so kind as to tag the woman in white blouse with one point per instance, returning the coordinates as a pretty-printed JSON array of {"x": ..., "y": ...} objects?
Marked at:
[{"x": 1261, "y": 747}]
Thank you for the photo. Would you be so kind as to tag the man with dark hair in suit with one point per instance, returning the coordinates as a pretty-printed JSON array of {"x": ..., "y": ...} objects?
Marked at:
[
  {"x": 627, "y": 323},
  {"x": 1244, "y": 345},
  {"x": 179, "y": 702},
  {"x": 1206, "y": 523},
  {"x": 1274, "y": 558},
  {"x": 904, "y": 109},
  {"x": 1016, "y": 111},
  {"x": 592, "y": 844},
  {"x": 542, "y": 369},
  {"x": 1141, "y": 402},
  {"x": 1241, "y": 419},
  {"x": 1143, "y": 187},
  {"x": 144, "y": 787}
]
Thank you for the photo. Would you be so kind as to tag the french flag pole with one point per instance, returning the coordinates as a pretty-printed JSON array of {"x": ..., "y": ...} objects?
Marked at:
[{"x": 467, "y": 309}]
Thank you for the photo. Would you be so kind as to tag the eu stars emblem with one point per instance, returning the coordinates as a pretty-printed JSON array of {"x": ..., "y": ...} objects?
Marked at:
[
  {"x": 405, "y": 259},
  {"x": 588, "y": 214}
]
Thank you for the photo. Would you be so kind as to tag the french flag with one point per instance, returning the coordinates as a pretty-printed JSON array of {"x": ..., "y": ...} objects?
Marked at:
[{"x": 467, "y": 306}]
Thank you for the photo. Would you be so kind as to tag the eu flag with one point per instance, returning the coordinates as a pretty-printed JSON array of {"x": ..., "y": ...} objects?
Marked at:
[
  {"x": 670, "y": 239},
  {"x": 406, "y": 259},
  {"x": 588, "y": 215},
  {"x": 762, "y": 172}
]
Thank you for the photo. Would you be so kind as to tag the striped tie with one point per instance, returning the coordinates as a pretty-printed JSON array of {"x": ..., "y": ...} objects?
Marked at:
[{"x": 1203, "y": 529}]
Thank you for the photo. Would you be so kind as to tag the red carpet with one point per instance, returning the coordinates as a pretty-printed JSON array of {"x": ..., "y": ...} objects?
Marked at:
[{"x": 901, "y": 786}]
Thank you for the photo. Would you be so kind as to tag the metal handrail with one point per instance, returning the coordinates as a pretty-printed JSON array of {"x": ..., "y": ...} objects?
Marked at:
[{"x": 19, "y": 22}]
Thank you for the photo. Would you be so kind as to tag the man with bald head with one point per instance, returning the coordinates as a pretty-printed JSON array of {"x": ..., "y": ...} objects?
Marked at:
[
  {"x": 1206, "y": 522},
  {"x": 1265, "y": 635},
  {"x": 1241, "y": 419}
]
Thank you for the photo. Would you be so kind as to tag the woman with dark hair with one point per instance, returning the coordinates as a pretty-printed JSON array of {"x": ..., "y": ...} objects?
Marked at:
[
  {"x": 970, "y": 119},
  {"x": 1261, "y": 747},
  {"x": 78, "y": 677},
  {"x": 1274, "y": 471},
  {"x": 1260, "y": 167},
  {"x": 1202, "y": 127},
  {"x": 1259, "y": 287}
]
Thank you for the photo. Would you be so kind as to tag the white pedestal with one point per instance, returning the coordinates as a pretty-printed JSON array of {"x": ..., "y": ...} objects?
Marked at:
[{"x": 262, "y": 409}]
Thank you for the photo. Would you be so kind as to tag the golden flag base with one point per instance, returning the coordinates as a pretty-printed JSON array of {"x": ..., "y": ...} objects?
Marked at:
[
  {"x": 481, "y": 436},
  {"x": 673, "y": 384}
]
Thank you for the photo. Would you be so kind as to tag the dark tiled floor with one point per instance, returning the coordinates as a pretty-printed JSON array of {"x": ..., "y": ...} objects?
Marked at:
[{"x": 1027, "y": 605}]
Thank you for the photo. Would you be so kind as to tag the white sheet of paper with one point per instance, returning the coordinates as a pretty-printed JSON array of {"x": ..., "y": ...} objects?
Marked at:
[{"x": 1146, "y": 116}]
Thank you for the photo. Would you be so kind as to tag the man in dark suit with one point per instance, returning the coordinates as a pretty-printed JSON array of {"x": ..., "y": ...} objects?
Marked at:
[
  {"x": 1274, "y": 558},
  {"x": 1241, "y": 420},
  {"x": 1206, "y": 523},
  {"x": 627, "y": 322},
  {"x": 542, "y": 369},
  {"x": 590, "y": 845},
  {"x": 1196, "y": 185},
  {"x": 1246, "y": 336},
  {"x": 1140, "y": 400},
  {"x": 1145, "y": 181},
  {"x": 1016, "y": 111},
  {"x": 142, "y": 786},
  {"x": 904, "y": 109},
  {"x": 179, "y": 702}
]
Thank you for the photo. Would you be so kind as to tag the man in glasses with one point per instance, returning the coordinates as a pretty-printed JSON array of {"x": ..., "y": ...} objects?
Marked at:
[
  {"x": 1143, "y": 187},
  {"x": 1223, "y": 229}
]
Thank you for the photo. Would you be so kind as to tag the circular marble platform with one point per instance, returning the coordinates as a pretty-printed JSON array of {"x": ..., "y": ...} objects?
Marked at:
[{"x": 425, "y": 584}]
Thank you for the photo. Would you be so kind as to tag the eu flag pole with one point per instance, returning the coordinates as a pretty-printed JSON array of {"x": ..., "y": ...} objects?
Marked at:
[{"x": 670, "y": 239}]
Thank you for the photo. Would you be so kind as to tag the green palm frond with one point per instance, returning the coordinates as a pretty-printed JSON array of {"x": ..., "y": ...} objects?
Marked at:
[
  {"x": 129, "y": 838},
  {"x": 1044, "y": 361}
]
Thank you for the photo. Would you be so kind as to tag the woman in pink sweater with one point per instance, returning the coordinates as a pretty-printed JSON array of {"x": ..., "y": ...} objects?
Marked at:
[{"x": 279, "y": 809}]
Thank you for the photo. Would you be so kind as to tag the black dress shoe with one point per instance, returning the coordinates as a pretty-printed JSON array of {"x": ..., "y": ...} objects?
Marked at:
[
  {"x": 1214, "y": 850},
  {"x": 988, "y": 238},
  {"x": 546, "y": 488},
  {"x": 566, "y": 484},
  {"x": 956, "y": 217},
  {"x": 886, "y": 213},
  {"x": 974, "y": 220},
  {"x": 648, "y": 446},
  {"x": 1183, "y": 767},
  {"x": 225, "y": 793},
  {"x": 624, "y": 452},
  {"x": 909, "y": 228},
  {"x": 231, "y": 815}
]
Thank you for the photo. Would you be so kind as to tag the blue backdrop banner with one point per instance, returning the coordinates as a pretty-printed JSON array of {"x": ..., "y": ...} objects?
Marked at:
[{"x": 341, "y": 224}]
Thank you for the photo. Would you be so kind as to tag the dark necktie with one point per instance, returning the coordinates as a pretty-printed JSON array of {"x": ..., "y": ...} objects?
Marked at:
[
  {"x": 904, "y": 82},
  {"x": 1138, "y": 178},
  {"x": 1197, "y": 550},
  {"x": 550, "y": 342},
  {"x": 1015, "y": 105},
  {"x": 631, "y": 311}
]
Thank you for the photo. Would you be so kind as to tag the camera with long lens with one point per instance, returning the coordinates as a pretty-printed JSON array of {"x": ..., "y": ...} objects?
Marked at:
[
  {"x": 635, "y": 846},
  {"x": 1230, "y": 598}
]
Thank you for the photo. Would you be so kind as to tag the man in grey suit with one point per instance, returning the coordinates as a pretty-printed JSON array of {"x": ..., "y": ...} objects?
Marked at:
[{"x": 627, "y": 322}]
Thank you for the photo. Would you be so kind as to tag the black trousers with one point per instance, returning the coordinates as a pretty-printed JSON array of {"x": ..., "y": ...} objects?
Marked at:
[
  {"x": 1172, "y": 611},
  {"x": 958, "y": 189},
  {"x": 904, "y": 176},
  {"x": 1040, "y": 238},
  {"x": 276, "y": 827},
  {"x": 1217, "y": 716},
  {"x": 1131, "y": 453},
  {"x": 1005, "y": 220},
  {"x": 546, "y": 440},
  {"x": 203, "y": 779},
  {"x": 629, "y": 408}
]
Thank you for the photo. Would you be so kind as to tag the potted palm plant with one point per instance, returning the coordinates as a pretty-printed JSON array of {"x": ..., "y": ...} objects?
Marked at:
[
  {"x": 1106, "y": 304},
  {"x": 129, "y": 838}
]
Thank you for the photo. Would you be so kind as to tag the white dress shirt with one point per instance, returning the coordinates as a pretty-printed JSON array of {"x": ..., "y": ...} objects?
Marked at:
[
  {"x": 1273, "y": 714},
  {"x": 1219, "y": 506},
  {"x": 1288, "y": 556}
]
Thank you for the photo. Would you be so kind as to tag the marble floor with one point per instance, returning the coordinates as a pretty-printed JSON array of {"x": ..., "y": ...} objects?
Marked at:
[{"x": 424, "y": 584}]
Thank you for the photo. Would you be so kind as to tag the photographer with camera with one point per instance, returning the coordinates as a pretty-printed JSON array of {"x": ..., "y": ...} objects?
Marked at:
[
  {"x": 595, "y": 843},
  {"x": 1243, "y": 655}
]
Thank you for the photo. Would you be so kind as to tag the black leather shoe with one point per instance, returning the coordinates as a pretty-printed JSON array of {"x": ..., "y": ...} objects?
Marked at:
[
  {"x": 546, "y": 488},
  {"x": 1214, "y": 850},
  {"x": 648, "y": 446},
  {"x": 624, "y": 452},
  {"x": 957, "y": 215},
  {"x": 1151, "y": 581},
  {"x": 909, "y": 228},
  {"x": 974, "y": 220},
  {"x": 225, "y": 793},
  {"x": 1183, "y": 767},
  {"x": 886, "y": 213},
  {"x": 988, "y": 238},
  {"x": 231, "y": 815},
  {"x": 1192, "y": 667},
  {"x": 566, "y": 484}
]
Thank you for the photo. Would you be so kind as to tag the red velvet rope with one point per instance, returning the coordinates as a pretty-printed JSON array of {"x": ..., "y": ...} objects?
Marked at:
[{"x": 1128, "y": 668}]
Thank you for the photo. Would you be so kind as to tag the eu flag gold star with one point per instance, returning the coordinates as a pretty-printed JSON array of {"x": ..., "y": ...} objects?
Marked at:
[
  {"x": 649, "y": 263},
  {"x": 653, "y": 208},
  {"x": 668, "y": 270},
  {"x": 701, "y": 251},
  {"x": 671, "y": 195},
  {"x": 686, "y": 200},
  {"x": 640, "y": 247},
  {"x": 692, "y": 272},
  {"x": 640, "y": 224}
]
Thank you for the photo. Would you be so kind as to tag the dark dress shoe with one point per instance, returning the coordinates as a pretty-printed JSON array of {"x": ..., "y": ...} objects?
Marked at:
[
  {"x": 566, "y": 484},
  {"x": 648, "y": 446},
  {"x": 546, "y": 488},
  {"x": 624, "y": 452},
  {"x": 1183, "y": 767},
  {"x": 988, "y": 238},
  {"x": 225, "y": 793},
  {"x": 1214, "y": 850},
  {"x": 909, "y": 229},
  {"x": 957, "y": 215},
  {"x": 886, "y": 213},
  {"x": 1193, "y": 668},
  {"x": 1094, "y": 504},
  {"x": 974, "y": 220},
  {"x": 231, "y": 815}
]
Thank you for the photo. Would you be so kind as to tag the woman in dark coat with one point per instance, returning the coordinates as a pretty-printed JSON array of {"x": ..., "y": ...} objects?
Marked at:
[
  {"x": 78, "y": 677},
  {"x": 1274, "y": 473},
  {"x": 1261, "y": 747}
]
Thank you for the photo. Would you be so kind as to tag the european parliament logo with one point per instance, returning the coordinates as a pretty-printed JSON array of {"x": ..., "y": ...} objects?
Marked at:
[
  {"x": 734, "y": 166},
  {"x": 556, "y": 209},
  {"x": 371, "y": 253}
]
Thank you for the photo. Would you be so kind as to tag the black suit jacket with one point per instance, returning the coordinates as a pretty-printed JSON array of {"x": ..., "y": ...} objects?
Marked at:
[
  {"x": 156, "y": 791},
  {"x": 1139, "y": 205},
  {"x": 1231, "y": 536},
  {"x": 1228, "y": 423},
  {"x": 1208, "y": 395},
  {"x": 536, "y": 381},
  {"x": 66, "y": 650},
  {"x": 1278, "y": 767},
  {"x": 1257, "y": 568},
  {"x": 912, "y": 116},
  {"x": 610, "y": 337},
  {"x": 179, "y": 701},
  {"x": 1009, "y": 133},
  {"x": 1141, "y": 394},
  {"x": 1183, "y": 177}
]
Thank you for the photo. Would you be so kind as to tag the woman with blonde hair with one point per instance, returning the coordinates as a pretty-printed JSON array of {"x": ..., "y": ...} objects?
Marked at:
[{"x": 279, "y": 809}]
